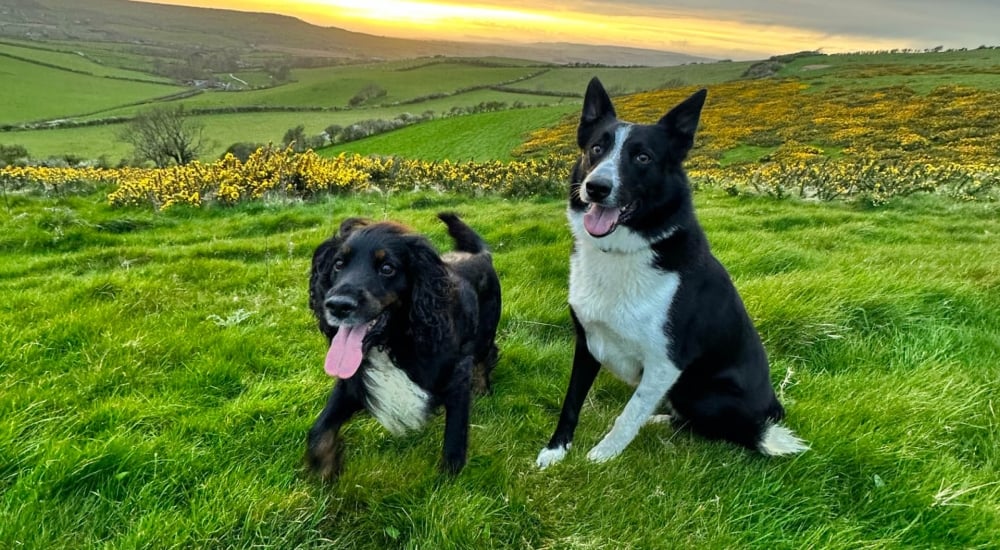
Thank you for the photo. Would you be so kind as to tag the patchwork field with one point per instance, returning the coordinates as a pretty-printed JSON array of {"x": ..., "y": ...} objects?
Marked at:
[{"x": 39, "y": 92}]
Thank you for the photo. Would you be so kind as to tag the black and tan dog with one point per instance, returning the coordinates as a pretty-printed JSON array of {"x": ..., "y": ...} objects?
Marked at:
[{"x": 410, "y": 330}]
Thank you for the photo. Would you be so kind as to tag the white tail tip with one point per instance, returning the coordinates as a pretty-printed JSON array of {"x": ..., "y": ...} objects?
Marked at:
[{"x": 779, "y": 440}]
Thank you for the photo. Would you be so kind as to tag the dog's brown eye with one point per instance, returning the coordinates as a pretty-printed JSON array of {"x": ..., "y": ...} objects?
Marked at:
[
  {"x": 338, "y": 265},
  {"x": 643, "y": 158},
  {"x": 596, "y": 149},
  {"x": 387, "y": 270}
]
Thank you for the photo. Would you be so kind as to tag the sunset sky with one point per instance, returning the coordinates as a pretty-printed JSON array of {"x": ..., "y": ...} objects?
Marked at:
[{"x": 735, "y": 29}]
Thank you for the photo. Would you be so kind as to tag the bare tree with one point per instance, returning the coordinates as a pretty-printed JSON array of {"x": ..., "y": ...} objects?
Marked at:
[{"x": 165, "y": 135}]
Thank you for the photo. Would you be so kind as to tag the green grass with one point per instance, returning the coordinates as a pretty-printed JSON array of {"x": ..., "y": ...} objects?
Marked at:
[
  {"x": 41, "y": 93},
  {"x": 74, "y": 60},
  {"x": 158, "y": 372},
  {"x": 335, "y": 86},
  {"x": 921, "y": 72},
  {"x": 473, "y": 137},
  {"x": 634, "y": 79},
  {"x": 92, "y": 142}
]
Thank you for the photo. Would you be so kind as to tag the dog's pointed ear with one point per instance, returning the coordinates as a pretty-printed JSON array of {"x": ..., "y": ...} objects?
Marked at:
[
  {"x": 350, "y": 224},
  {"x": 681, "y": 122},
  {"x": 596, "y": 107}
]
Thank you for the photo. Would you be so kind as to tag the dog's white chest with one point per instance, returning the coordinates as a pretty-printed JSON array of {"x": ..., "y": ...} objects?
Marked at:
[
  {"x": 623, "y": 303},
  {"x": 393, "y": 399}
]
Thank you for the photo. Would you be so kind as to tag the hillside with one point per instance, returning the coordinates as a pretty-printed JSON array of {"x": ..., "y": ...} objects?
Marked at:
[{"x": 133, "y": 24}]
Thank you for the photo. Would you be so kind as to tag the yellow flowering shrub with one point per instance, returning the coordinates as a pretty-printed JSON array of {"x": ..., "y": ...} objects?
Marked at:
[
  {"x": 827, "y": 144},
  {"x": 283, "y": 172}
]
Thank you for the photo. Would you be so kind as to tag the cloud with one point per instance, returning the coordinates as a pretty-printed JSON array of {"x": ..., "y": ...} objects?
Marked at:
[
  {"x": 911, "y": 23},
  {"x": 734, "y": 29}
]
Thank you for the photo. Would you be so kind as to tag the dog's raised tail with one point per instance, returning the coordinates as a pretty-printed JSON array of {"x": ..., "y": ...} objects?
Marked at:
[
  {"x": 466, "y": 240},
  {"x": 779, "y": 440}
]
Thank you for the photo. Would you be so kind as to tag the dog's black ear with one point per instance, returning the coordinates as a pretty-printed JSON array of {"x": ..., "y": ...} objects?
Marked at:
[
  {"x": 681, "y": 122},
  {"x": 596, "y": 107},
  {"x": 319, "y": 281},
  {"x": 431, "y": 294},
  {"x": 350, "y": 224}
]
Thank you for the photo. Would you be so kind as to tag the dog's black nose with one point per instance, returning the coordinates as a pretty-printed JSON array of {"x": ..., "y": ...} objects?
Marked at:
[
  {"x": 598, "y": 190},
  {"x": 340, "y": 306}
]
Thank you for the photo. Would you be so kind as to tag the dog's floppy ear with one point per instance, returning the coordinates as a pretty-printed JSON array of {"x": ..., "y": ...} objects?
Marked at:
[
  {"x": 596, "y": 107},
  {"x": 681, "y": 122},
  {"x": 431, "y": 294},
  {"x": 350, "y": 224},
  {"x": 319, "y": 281}
]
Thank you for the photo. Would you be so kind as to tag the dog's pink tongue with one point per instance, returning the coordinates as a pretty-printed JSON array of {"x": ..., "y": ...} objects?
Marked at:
[
  {"x": 345, "y": 353},
  {"x": 600, "y": 220}
]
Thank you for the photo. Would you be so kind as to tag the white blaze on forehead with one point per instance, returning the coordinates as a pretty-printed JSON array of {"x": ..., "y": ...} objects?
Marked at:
[{"x": 609, "y": 168}]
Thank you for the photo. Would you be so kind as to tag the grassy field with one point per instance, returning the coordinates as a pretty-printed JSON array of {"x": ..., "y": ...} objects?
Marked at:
[
  {"x": 619, "y": 80},
  {"x": 91, "y": 142},
  {"x": 921, "y": 72},
  {"x": 41, "y": 92},
  {"x": 420, "y": 85},
  {"x": 479, "y": 137},
  {"x": 75, "y": 59},
  {"x": 158, "y": 372}
]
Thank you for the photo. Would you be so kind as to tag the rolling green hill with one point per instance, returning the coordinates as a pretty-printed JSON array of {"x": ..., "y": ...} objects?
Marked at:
[
  {"x": 35, "y": 92},
  {"x": 479, "y": 137},
  {"x": 74, "y": 59},
  {"x": 137, "y": 25},
  {"x": 921, "y": 72}
]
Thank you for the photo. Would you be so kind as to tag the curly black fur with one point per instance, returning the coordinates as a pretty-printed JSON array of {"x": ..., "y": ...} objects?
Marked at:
[{"x": 436, "y": 318}]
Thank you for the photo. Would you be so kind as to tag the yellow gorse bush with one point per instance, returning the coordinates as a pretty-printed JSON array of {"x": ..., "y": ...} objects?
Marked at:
[
  {"x": 270, "y": 171},
  {"x": 826, "y": 144}
]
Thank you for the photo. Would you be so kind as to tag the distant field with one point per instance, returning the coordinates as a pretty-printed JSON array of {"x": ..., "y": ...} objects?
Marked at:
[
  {"x": 481, "y": 137},
  {"x": 634, "y": 79},
  {"x": 226, "y": 129},
  {"x": 75, "y": 60},
  {"x": 921, "y": 72},
  {"x": 335, "y": 86},
  {"x": 35, "y": 92},
  {"x": 435, "y": 85}
]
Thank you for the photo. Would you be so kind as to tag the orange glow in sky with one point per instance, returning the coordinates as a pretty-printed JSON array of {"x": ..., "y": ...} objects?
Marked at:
[{"x": 659, "y": 28}]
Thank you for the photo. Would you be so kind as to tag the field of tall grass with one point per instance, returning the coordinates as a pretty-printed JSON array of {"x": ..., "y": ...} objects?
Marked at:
[{"x": 159, "y": 370}]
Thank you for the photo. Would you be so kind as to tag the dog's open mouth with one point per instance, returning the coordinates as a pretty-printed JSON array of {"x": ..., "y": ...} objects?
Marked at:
[
  {"x": 347, "y": 349},
  {"x": 601, "y": 220}
]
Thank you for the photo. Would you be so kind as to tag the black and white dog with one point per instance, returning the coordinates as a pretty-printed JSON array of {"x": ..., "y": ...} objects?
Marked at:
[
  {"x": 409, "y": 330},
  {"x": 649, "y": 301}
]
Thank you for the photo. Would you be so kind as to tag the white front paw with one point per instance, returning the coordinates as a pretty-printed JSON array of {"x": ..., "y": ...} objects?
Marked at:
[
  {"x": 604, "y": 452},
  {"x": 549, "y": 457}
]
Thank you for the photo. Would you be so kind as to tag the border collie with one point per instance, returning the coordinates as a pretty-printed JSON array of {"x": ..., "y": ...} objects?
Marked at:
[
  {"x": 409, "y": 330},
  {"x": 649, "y": 301}
]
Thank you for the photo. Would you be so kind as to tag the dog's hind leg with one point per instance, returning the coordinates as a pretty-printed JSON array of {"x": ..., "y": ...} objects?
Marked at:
[
  {"x": 482, "y": 372},
  {"x": 456, "y": 418},
  {"x": 324, "y": 448}
]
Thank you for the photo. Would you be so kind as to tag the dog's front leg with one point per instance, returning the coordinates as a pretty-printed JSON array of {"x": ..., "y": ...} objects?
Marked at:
[
  {"x": 652, "y": 388},
  {"x": 456, "y": 418},
  {"x": 585, "y": 369},
  {"x": 324, "y": 448}
]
